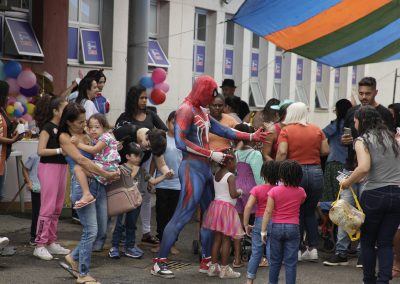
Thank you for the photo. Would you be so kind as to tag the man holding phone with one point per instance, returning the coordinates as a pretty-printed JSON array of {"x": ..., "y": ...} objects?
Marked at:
[{"x": 366, "y": 94}]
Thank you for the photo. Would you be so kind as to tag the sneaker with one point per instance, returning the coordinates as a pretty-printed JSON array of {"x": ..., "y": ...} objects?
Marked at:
[
  {"x": 160, "y": 269},
  {"x": 359, "y": 262},
  {"x": 214, "y": 270},
  {"x": 55, "y": 248},
  {"x": 148, "y": 239},
  {"x": 310, "y": 255},
  {"x": 4, "y": 242},
  {"x": 114, "y": 253},
  {"x": 205, "y": 265},
  {"x": 42, "y": 253},
  {"x": 227, "y": 272},
  {"x": 134, "y": 252},
  {"x": 32, "y": 242},
  {"x": 336, "y": 260}
]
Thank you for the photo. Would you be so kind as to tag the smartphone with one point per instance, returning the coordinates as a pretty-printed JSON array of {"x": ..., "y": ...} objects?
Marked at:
[{"x": 347, "y": 131}]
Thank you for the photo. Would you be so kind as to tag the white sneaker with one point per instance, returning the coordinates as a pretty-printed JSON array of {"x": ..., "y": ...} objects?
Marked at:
[
  {"x": 4, "y": 242},
  {"x": 55, "y": 248},
  {"x": 214, "y": 270},
  {"x": 227, "y": 272},
  {"x": 310, "y": 255},
  {"x": 42, "y": 253}
]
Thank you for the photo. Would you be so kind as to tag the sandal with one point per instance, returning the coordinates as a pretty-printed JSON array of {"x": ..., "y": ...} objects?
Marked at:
[
  {"x": 81, "y": 204},
  {"x": 86, "y": 279},
  {"x": 234, "y": 265},
  {"x": 395, "y": 272},
  {"x": 73, "y": 265},
  {"x": 263, "y": 262}
]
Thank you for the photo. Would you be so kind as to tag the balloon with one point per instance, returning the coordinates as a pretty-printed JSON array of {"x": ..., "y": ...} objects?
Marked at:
[
  {"x": 23, "y": 100},
  {"x": 14, "y": 87},
  {"x": 30, "y": 92},
  {"x": 26, "y": 79},
  {"x": 147, "y": 82},
  {"x": 27, "y": 117},
  {"x": 151, "y": 101},
  {"x": 11, "y": 100},
  {"x": 17, "y": 113},
  {"x": 157, "y": 96},
  {"x": 12, "y": 69},
  {"x": 2, "y": 74},
  {"x": 163, "y": 87},
  {"x": 148, "y": 92},
  {"x": 31, "y": 108},
  {"x": 25, "y": 109},
  {"x": 18, "y": 106},
  {"x": 10, "y": 110},
  {"x": 159, "y": 75}
]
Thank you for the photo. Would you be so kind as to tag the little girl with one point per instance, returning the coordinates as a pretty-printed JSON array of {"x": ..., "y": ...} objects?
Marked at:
[
  {"x": 105, "y": 155},
  {"x": 284, "y": 205},
  {"x": 222, "y": 218},
  {"x": 259, "y": 196}
]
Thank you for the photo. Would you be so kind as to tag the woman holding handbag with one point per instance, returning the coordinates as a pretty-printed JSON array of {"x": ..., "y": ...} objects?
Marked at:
[{"x": 378, "y": 156}]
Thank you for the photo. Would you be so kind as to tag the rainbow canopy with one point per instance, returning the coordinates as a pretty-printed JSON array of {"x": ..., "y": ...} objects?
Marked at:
[{"x": 333, "y": 32}]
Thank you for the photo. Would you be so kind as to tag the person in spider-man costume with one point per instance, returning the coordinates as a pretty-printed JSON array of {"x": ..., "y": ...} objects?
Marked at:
[{"x": 192, "y": 125}]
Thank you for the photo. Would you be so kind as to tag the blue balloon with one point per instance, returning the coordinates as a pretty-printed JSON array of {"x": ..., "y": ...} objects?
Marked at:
[
  {"x": 12, "y": 69},
  {"x": 25, "y": 109},
  {"x": 17, "y": 113},
  {"x": 2, "y": 74},
  {"x": 147, "y": 82},
  {"x": 30, "y": 92}
]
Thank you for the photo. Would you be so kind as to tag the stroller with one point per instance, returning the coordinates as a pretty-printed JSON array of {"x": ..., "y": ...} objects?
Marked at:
[{"x": 327, "y": 230}]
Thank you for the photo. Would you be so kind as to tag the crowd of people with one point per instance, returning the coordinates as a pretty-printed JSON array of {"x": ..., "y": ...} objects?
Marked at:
[{"x": 258, "y": 174}]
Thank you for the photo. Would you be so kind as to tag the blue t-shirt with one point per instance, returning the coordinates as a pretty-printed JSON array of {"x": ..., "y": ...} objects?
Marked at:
[
  {"x": 173, "y": 159},
  {"x": 32, "y": 166},
  {"x": 338, "y": 152}
]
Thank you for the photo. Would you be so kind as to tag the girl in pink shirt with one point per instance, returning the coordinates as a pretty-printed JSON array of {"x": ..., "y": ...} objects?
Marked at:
[
  {"x": 258, "y": 197},
  {"x": 284, "y": 206}
]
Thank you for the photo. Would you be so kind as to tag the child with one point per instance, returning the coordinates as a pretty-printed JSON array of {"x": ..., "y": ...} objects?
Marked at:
[
  {"x": 168, "y": 191},
  {"x": 259, "y": 196},
  {"x": 105, "y": 155},
  {"x": 284, "y": 205},
  {"x": 222, "y": 218},
  {"x": 138, "y": 174},
  {"x": 52, "y": 173},
  {"x": 30, "y": 173}
]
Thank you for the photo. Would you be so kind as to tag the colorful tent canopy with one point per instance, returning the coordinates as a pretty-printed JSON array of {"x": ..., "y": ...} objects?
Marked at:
[{"x": 333, "y": 32}]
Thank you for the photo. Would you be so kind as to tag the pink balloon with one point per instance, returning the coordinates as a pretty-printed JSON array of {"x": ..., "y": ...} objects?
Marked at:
[
  {"x": 14, "y": 87},
  {"x": 26, "y": 79},
  {"x": 27, "y": 117},
  {"x": 159, "y": 75},
  {"x": 162, "y": 86},
  {"x": 11, "y": 100}
]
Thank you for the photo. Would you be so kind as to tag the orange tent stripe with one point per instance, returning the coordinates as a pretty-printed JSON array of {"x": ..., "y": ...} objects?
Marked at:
[{"x": 324, "y": 23}]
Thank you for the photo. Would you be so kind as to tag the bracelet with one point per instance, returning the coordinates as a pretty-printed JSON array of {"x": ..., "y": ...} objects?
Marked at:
[
  {"x": 58, "y": 150},
  {"x": 263, "y": 233}
]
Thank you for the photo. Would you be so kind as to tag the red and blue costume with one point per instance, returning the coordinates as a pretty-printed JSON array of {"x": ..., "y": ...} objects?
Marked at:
[{"x": 192, "y": 126}]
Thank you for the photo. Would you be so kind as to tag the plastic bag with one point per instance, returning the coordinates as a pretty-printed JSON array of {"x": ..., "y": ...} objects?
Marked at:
[{"x": 346, "y": 216}]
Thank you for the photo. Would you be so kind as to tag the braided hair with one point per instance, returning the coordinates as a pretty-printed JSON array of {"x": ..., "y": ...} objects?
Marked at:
[
  {"x": 270, "y": 172},
  {"x": 290, "y": 173}
]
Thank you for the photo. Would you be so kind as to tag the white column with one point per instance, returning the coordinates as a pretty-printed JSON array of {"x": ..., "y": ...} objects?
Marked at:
[
  {"x": 289, "y": 64},
  {"x": 242, "y": 66},
  {"x": 266, "y": 68},
  {"x": 215, "y": 46}
]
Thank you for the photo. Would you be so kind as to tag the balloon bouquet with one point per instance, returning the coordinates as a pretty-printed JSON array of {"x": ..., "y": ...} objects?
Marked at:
[
  {"x": 23, "y": 88},
  {"x": 156, "y": 86}
]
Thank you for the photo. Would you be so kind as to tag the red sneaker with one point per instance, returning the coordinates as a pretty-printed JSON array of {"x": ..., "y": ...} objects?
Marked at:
[{"x": 205, "y": 264}]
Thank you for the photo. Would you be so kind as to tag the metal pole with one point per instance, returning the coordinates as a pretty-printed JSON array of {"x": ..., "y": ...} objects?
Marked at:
[
  {"x": 394, "y": 88},
  {"x": 138, "y": 31}
]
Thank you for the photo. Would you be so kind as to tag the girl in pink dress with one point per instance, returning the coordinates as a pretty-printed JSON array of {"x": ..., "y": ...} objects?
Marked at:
[{"x": 222, "y": 218}]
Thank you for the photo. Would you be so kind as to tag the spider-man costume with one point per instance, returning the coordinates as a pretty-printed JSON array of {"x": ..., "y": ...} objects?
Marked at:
[{"x": 192, "y": 125}]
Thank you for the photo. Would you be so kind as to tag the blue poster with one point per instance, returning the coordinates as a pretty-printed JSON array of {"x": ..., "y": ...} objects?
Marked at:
[
  {"x": 73, "y": 49},
  {"x": 200, "y": 58},
  {"x": 319, "y": 72},
  {"x": 254, "y": 65},
  {"x": 354, "y": 75},
  {"x": 92, "y": 48},
  {"x": 337, "y": 76},
  {"x": 228, "y": 65},
  {"x": 157, "y": 54},
  {"x": 299, "y": 69},
  {"x": 24, "y": 38},
  {"x": 278, "y": 67}
]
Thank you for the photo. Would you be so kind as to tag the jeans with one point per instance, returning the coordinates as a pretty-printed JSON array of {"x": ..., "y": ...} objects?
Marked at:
[
  {"x": 130, "y": 226},
  {"x": 382, "y": 217},
  {"x": 343, "y": 240},
  {"x": 285, "y": 239},
  {"x": 93, "y": 218},
  {"x": 257, "y": 248},
  {"x": 313, "y": 183},
  {"x": 102, "y": 217}
]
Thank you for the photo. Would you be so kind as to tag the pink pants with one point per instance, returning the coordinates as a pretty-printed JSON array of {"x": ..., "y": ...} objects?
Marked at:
[{"x": 53, "y": 181}]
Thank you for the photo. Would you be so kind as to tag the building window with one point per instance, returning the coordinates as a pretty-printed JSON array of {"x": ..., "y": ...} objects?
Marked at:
[
  {"x": 153, "y": 22},
  {"x": 301, "y": 95},
  {"x": 321, "y": 99},
  {"x": 85, "y": 43},
  {"x": 16, "y": 5},
  {"x": 200, "y": 25},
  {"x": 256, "y": 41},
  {"x": 199, "y": 47},
  {"x": 256, "y": 96},
  {"x": 229, "y": 53},
  {"x": 230, "y": 32}
]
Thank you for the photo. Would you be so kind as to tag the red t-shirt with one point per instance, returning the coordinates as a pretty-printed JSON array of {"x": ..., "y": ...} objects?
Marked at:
[
  {"x": 304, "y": 143},
  {"x": 260, "y": 193},
  {"x": 287, "y": 201}
]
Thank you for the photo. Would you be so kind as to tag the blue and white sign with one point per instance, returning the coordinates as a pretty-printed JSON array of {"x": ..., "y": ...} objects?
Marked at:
[
  {"x": 157, "y": 54},
  {"x": 319, "y": 72},
  {"x": 299, "y": 69},
  {"x": 354, "y": 75},
  {"x": 200, "y": 58},
  {"x": 278, "y": 67},
  {"x": 73, "y": 48},
  {"x": 92, "y": 48},
  {"x": 24, "y": 38},
  {"x": 254, "y": 65},
  {"x": 228, "y": 64}
]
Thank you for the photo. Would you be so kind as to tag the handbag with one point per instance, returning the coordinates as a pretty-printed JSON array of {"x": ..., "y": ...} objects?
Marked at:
[
  {"x": 123, "y": 195},
  {"x": 346, "y": 216}
]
